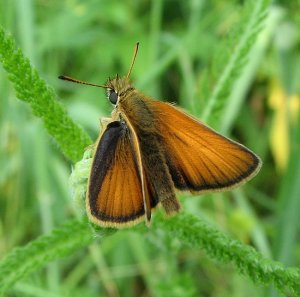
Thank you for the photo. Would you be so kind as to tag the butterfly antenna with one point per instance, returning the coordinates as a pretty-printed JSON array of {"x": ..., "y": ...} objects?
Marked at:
[
  {"x": 67, "y": 78},
  {"x": 133, "y": 58}
]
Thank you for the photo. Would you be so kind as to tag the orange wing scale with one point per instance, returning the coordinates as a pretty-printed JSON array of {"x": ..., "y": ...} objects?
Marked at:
[
  {"x": 115, "y": 197},
  {"x": 199, "y": 158},
  {"x": 121, "y": 192}
]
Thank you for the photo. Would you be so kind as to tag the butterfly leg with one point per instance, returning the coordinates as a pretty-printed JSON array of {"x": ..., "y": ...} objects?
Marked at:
[{"x": 104, "y": 122}]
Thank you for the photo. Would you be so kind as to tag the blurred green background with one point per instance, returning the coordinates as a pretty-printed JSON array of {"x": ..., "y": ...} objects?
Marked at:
[{"x": 92, "y": 40}]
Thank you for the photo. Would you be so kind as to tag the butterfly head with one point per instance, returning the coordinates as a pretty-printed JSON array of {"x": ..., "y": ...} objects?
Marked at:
[{"x": 118, "y": 88}]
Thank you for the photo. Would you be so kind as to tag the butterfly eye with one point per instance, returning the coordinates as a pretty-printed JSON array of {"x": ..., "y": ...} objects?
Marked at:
[{"x": 112, "y": 96}]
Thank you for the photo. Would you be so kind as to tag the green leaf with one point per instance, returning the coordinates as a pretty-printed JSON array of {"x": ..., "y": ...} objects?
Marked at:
[
  {"x": 34, "y": 90},
  {"x": 188, "y": 229},
  {"x": 61, "y": 242},
  {"x": 231, "y": 58}
]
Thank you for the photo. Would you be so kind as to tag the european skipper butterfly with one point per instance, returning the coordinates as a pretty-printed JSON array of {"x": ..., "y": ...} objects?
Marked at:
[{"x": 148, "y": 149}]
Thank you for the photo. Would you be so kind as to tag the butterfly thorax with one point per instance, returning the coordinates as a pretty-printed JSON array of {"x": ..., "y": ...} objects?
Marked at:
[{"x": 131, "y": 103}]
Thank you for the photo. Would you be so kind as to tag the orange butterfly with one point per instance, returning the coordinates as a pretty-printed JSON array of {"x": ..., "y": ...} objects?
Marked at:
[{"x": 148, "y": 149}]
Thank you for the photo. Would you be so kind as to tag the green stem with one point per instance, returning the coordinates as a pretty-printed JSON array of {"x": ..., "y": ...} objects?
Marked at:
[{"x": 191, "y": 231}]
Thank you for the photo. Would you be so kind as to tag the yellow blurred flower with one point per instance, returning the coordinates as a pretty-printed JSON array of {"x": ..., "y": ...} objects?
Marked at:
[{"x": 286, "y": 109}]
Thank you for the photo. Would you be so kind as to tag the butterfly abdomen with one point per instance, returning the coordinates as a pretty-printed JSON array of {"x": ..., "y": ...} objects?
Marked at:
[{"x": 156, "y": 168}]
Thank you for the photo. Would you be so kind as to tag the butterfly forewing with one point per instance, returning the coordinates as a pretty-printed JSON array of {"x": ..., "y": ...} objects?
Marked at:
[
  {"x": 199, "y": 159},
  {"x": 115, "y": 195}
]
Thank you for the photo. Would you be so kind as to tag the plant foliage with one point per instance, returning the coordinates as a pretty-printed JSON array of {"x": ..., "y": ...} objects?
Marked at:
[
  {"x": 189, "y": 230},
  {"x": 32, "y": 89}
]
